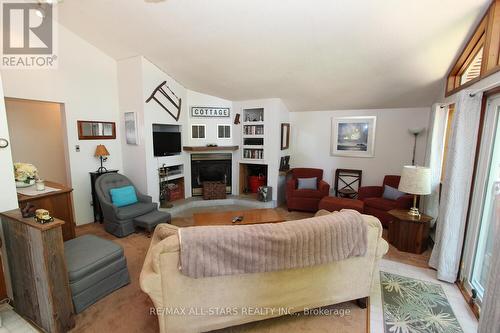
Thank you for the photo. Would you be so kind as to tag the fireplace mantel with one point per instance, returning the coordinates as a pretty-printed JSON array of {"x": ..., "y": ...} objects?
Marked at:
[{"x": 206, "y": 148}]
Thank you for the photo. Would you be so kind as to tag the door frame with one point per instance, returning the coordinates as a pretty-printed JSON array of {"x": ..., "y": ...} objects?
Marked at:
[{"x": 64, "y": 129}]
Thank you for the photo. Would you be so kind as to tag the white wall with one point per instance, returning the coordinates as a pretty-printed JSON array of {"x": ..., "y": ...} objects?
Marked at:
[
  {"x": 131, "y": 99},
  {"x": 311, "y": 135},
  {"x": 275, "y": 113},
  {"x": 8, "y": 195},
  {"x": 37, "y": 136},
  {"x": 86, "y": 83},
  {"x": 198, "y": 99},
  {"x": 137, "y": 79},
  {"x": 152, "y": 76}
]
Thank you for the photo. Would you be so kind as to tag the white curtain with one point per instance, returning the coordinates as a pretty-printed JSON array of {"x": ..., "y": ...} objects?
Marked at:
[
  {"x": 445, "y": 256},
  {"x": 489, "y": 322},
  {"x": 434, "y": 156}
]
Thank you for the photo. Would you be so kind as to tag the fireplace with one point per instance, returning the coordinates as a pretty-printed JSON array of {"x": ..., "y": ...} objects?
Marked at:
[{"x": 210, "y": 167}]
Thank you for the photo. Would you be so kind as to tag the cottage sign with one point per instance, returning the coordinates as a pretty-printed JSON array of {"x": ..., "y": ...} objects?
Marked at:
[{"x": 209, "y": 112}]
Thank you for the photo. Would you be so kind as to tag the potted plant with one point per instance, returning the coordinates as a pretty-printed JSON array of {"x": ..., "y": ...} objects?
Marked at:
[{"x": 25, "y": 174}]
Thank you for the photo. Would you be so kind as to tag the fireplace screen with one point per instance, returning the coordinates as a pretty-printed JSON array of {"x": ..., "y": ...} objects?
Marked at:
[{"x": 210, "y": 167}]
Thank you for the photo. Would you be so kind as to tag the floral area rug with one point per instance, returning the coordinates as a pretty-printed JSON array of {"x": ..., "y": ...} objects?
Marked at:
[{"x": 415, "y": 306}]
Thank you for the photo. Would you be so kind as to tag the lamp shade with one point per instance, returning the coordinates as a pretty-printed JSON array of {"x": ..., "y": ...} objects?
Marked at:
[
  {"x": 101, "y": 151},
  {"x": 415, "y": 180}
]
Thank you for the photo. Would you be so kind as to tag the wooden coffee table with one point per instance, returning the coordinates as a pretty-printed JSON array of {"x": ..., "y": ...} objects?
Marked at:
[{"x": 251, "y": 216}]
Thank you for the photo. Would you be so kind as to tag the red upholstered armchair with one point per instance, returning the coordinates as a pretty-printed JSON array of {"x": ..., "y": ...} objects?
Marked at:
[
  {"x": 377, "y": 206},
  {"x": 305, "y": 200}
]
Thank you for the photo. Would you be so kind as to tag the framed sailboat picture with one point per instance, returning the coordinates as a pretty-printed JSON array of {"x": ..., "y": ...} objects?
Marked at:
[{"x": 353, "y": 136}]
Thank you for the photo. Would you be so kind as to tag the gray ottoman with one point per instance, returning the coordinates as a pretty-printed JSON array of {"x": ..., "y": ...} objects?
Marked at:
[
  {"x": 96, "y": 267},
  {"x": 150, "y": 220}
]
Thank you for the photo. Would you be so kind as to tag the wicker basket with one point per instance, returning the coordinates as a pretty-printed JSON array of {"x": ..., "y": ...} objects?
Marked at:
[{"x": 214, "y": 190}]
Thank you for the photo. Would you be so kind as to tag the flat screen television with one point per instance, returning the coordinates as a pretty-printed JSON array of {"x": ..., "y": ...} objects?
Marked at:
[{"x": 166, "y": 143}]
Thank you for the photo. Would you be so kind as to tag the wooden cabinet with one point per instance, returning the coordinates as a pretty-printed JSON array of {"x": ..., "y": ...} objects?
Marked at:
[
  {"x": 38, "y": 271},
  {"x": 409, "y": 233},
  {"x": 58, "y": 203}
]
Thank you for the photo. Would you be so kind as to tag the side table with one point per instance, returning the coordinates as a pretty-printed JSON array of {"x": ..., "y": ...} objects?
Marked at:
[{"x": 409, "y": 233}]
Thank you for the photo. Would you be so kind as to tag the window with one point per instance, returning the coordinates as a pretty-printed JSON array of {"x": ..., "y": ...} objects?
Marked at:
[
  {"x": 481, "y": 55},
  {"x": 473, "y": 70},
  {"x": 198, "y": 131},
  {"x": 223, "y": 131}
]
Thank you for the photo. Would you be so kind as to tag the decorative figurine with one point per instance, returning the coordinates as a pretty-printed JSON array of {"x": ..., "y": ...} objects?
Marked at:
[
  {"x": 28, "y": 210},
  {"x": 43, "y": 216}
]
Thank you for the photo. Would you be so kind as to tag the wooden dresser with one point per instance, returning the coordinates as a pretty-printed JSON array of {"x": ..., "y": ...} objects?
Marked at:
[
  {"x": 38, "y": 271},
  {"x": 59, "y": 204}
]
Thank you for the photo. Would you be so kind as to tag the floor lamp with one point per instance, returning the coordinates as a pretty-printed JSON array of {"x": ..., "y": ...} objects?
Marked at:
[{"x": 415, "y": 132}]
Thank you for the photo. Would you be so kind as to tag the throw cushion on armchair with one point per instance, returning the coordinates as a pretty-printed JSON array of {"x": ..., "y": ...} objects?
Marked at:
[
  {"x": 123, "y": 196},
  {"x": 378, "y": 205},
  {"x": 306, "y": 199},
  {"x": 307, "y": 183},
  {"x": 392, "y": 193}
]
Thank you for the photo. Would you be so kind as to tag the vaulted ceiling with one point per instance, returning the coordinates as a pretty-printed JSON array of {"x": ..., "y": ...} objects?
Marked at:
[{"x": 314, "y": 54}]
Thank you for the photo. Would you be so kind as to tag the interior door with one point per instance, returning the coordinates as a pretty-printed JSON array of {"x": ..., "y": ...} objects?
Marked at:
[
  {"x": 8, "y": 195},
  {"x": 478, "y": 248}
]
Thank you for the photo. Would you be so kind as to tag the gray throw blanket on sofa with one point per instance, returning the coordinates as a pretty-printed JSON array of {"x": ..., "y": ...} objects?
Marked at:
[{"x": 228, "y": 250}]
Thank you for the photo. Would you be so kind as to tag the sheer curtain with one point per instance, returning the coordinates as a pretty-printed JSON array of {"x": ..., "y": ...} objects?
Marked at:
[
  {"x": 434, "y": 156},
  {"x": 445, "y": 256},
  {"x": 489, "y": 322}
]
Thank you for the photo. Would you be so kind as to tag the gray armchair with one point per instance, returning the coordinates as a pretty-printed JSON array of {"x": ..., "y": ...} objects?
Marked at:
[{"x": 119, "y": 221}]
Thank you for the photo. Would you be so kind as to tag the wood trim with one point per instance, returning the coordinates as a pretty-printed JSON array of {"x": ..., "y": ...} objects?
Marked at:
[
  {"x": 492, "y": 44},
  {"x": 368, "y": 308},
  {"x": 470, "y": 58},
  {"x": 486, "y": 35},
  {"x": 471, "y": 82},
  {"x": 468, "y": 298},
  {"x": 207, "y": 148},
  {"x": 467, "y": 54}
]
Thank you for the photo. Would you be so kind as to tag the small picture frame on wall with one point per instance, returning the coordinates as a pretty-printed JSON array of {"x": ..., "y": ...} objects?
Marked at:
[
  {"x": 96, "y": 130},
  {"x": 131, "y": 136},
  {"x": 353, "y": 136},
  {"x": 285, "y": 136}
]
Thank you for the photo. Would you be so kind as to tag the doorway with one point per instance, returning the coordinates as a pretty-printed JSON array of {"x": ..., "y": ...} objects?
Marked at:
[{"x": 38, "y": 136}]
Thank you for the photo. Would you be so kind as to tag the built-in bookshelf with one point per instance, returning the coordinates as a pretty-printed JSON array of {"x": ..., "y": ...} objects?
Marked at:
[
  {"x": 253, "y": 154},
  {"x": 253, "y": 134}
]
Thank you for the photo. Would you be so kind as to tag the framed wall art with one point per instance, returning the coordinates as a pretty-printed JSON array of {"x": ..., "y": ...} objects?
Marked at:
[
  {"x": 353, "y": 136},
  {"x": 285, "y": 136},
  {"x": 131, "y": 128}
]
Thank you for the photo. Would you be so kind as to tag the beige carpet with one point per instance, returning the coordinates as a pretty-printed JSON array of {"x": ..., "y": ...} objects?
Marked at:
[{"x": 127, "y": 309}]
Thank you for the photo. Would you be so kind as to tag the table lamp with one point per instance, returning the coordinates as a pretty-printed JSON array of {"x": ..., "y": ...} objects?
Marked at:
[
  {"x": 102, "y": 153},
  {"x": 417, "y": 181}
]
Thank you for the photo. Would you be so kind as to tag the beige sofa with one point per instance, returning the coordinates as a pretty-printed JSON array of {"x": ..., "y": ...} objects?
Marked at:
[{"x": 184, "y": 304}]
